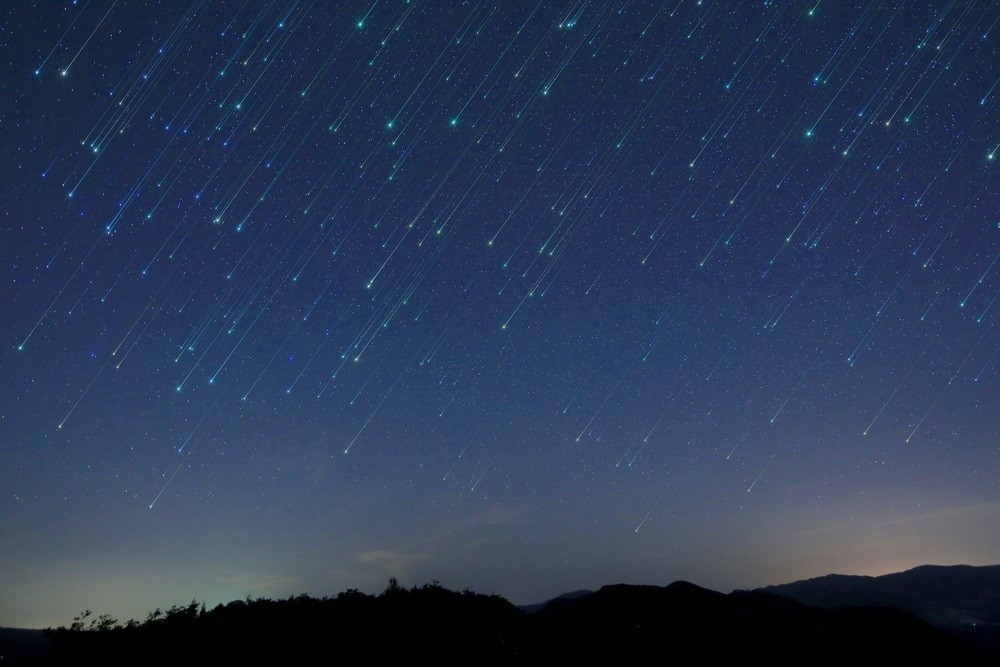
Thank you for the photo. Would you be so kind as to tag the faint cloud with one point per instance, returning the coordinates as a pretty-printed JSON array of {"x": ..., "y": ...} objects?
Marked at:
[
  {"x": 501, "y": 516},
  {"x": 947, "y": 516},
  {"x": 483, "y": 528},
  {"x": 393, "y": 562},
  {"x": 894, "y": 542}
]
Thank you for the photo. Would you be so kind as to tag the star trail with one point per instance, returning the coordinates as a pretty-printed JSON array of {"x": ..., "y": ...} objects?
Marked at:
[{"x": 524, "y": 297}]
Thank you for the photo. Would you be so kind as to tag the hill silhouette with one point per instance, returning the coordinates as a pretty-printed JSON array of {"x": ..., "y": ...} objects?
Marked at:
[
  {"x": 963, "y": 599},
  {"x": 683, "y": 619},
  {"x": 679, "y": 622}
]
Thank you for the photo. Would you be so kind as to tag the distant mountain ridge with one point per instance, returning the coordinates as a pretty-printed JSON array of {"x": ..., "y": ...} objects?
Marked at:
[
  {"x": 963, "y": 599},
  {"x": 928, "y": 615},
  {"x": 622, "y": 622},
  {"x": 942, "y": 595},
  {"x": 532, "y": 608}
]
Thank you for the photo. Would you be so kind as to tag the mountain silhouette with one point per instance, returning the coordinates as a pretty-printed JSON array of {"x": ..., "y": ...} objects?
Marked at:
[
  {"x": 963, "y": 599},
  {"x": 684, "y": 620},
  {"x": 618, "y": 623}
]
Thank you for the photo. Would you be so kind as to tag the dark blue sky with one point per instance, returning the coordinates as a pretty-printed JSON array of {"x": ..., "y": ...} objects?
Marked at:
[{"x": 521, "y": 296}]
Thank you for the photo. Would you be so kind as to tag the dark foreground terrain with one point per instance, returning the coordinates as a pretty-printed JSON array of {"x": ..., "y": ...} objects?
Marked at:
[
  {"x": 962, "y": 599},
  {"x": 681, "y": 623}
]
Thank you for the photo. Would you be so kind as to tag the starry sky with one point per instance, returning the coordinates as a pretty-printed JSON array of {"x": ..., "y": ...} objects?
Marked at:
[{"x": 522, "y": 296}]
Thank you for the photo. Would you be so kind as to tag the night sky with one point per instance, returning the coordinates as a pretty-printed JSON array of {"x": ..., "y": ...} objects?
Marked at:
[{"x": 522, "y": 296}]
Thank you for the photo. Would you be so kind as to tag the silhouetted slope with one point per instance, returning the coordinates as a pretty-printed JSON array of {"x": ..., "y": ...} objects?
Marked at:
[
  {"x": 682, "y": 619},
  {"x": 962, "y": 598},
  {"x": 941, "y": 595},
  {"x": 617, "y": 624},
  {"x": 394, "y": 626},
  {"x": 18, "y": 645},
  {"x": 532, "y": 608}
]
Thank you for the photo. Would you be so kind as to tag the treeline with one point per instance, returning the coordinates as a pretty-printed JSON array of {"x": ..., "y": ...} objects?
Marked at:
[
  {"x": 678, "y": 623},
  {"x": 399, "y": 622}
]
